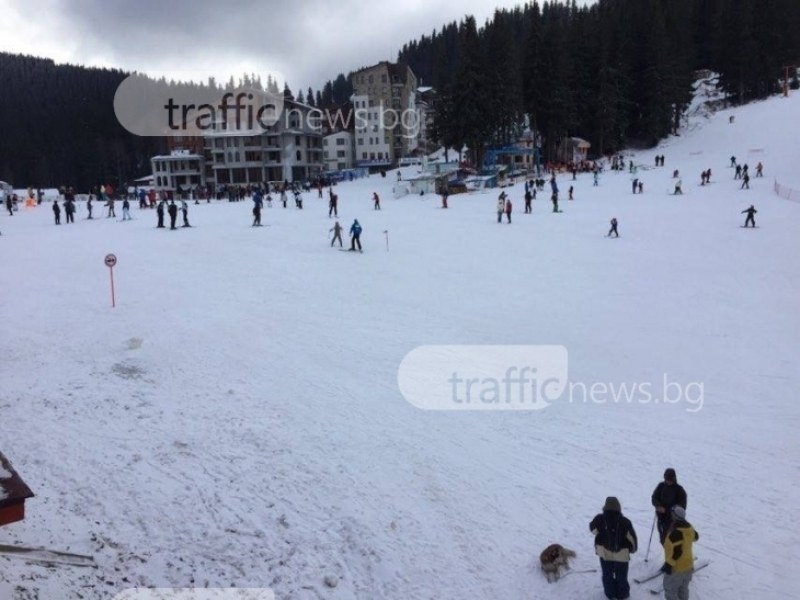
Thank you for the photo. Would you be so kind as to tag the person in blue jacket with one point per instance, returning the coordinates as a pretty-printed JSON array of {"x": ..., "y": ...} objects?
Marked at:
[{"x": 355, "y": 236}]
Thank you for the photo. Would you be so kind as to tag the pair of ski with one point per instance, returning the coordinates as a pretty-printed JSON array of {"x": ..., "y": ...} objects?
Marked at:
[{"x": 655, "y": 591}]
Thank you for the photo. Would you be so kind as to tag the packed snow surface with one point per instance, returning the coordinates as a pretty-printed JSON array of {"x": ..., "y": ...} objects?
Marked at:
[{"x": 236, "y": 420}]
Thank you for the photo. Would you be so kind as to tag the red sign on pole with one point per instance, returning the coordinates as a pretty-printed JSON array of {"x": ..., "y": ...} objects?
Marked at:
[{"x": 111, "y": 260}]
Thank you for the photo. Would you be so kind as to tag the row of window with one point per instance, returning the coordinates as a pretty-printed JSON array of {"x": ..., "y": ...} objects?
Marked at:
[{"x": 175, "y": 165}]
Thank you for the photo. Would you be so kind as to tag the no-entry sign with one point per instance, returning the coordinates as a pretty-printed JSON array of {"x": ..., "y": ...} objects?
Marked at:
[{"x": 110, "y": 260}]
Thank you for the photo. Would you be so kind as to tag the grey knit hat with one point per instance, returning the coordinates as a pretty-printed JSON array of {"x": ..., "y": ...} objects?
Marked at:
[{"x": 678, "y": 512}]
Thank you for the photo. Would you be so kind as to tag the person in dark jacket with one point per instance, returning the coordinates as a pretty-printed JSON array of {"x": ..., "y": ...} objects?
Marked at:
[
  {"x": 614, "y": 541},
  {"x": 666, "y": 495},
  {"x": 160, "y": 214},
  {"x": 89, "y": 206},
  {"x": 355, "y": 236},
  {"x": 751, "y": 218},
  {"x": 613, "y": 228},
  {"x": 678, "y": 560},
  {"x": 57, "y": 212},
  {"x": 337, "y": 234},
  {"x": 172, "y": 209},
  {"x": 528, "y": 199}
]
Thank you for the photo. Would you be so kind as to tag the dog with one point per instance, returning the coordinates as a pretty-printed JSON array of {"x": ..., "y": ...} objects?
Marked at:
[{"x": 552, "y": 559}]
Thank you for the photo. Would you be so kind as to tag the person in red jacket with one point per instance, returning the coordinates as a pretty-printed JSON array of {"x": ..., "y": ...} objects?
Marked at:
[{"x": 508, "y": 209}]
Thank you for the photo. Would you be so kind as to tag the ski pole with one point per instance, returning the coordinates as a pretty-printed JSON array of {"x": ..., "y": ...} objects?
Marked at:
[
  {"x": 386, "y": 231},
  {"x": 650, "y": 541}
]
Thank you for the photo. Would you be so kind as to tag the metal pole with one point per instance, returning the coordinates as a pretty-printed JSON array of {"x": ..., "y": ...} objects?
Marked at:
[
  {"x": 647, "y": 554},
  {"x": 113, "y": 299}
]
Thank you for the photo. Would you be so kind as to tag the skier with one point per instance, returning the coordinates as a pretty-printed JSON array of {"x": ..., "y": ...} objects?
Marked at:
[
  {"x": 641, "y": 187},
  {"x": 142, "y": 198},
  {"x": 355, "y": 236},
  {"x": 160, "y": 214},
  {"x": 759, "y": 170},
  {"x": 528, "y": 198},
  {"x": 283, "y": 197},
  {"x": 9, "y": 204},
  {"x": 614, "y": 542},
  {"x": 703, "y": 178},
  {"x": 126, "y": 210},
  {"x": 172, "y": 209},
  {"x": 333, "y": 204},
  {"x": 554, "y": 200},
  {"x": 678, "y": 560},
  {"x": 750, "y": 219},
  {"x": 298, "y": 200},
  {"x": 501, "y": 206},
  {"x": 69, "y": 210},
  {"x": 89, "y": 206},
  {"x": 571, "y": 189},
  {"x": 337, "y": 233},
  {"x": 733, "y": 161},
  {"x": 666, "y": 495},
  {"x": 376, "y": 201},
  {"x": 596, "y": 177},
  {"x": 745, "y": 182},
  {"x": 508, "y": 210},
  {"x": 678, "y": 188},
  {"x": 738, "y": 174},
  {"x": 445, "y": 195},
  {"x": 185, "y": 213},
  {"x": 613, "y": 228},
  {"x": 635, "y": 184},
  {"x": 57, "y": 212},
  {"x": 257, "y": 203},
  {"x": 110, "y": 205}
]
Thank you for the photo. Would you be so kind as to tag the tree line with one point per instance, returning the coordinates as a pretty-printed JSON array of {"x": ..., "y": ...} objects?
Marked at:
[{"x": 618, "y": 72}]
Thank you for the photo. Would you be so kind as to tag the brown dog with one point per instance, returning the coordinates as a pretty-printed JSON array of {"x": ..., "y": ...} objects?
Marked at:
[{"x": 552, "y": 559}]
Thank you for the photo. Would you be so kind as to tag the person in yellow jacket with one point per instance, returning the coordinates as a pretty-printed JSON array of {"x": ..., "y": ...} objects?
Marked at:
[{"x": 678, "y": 558}]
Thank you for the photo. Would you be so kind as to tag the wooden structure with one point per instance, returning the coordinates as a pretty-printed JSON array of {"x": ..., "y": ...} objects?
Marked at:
[{"x": 13, "y": 493}]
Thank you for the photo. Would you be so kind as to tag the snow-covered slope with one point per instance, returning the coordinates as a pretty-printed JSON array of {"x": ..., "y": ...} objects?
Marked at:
[{"x": 236, "y": 419}]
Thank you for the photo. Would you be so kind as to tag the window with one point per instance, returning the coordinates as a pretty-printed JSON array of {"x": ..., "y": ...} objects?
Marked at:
[
  {"x": 369, "y": 79},
  {"x": 372, "y": 156},
  {"x": 297, "y": 140},
  {"x": 325, "y": 142},
  {"x": 364, "y": 155},
  {"x": 340, "y": 141},
  {"x": 340, "y": 154},
  {"x": 383, "y": 78},
  {"x": 299, "y": 155},
  {"x": 360, "y": 141}
]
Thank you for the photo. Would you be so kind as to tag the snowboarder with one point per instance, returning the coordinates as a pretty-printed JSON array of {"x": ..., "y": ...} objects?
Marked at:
[
  {"x": 57, "y": 212},
  {"x": 185, "y": 213},
  {"x": 678, "y": 188},
  {"x": 745, "y": 182},
  {"x": 613, "y": 228},
  {"x": 337, "y": 233},
  {"x": 160, "y": 214},
  {"x": 614, "y": 542},
  {"x": 126, "y": 210},
  {"x": 750, "y": 219},
  {"x": 678, "y": 560},
  {"x": 172, "y": 209},
  {"x": 501, "y": 206},
  {"x": 355, "y": 236},
  {"x": 508, "y": 210},
  {"x": 376, "y": 201},
  {"x": 528, "y": 199},
  {"x": 666, "y": 495}
]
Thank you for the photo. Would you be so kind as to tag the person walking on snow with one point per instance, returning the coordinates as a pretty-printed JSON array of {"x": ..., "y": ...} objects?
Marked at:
[
  {"x": 355, "y": 236},
  {"x": 678, "y": 188},
  {"x": 508, "y": 210},
  {"x": 160, "y": 215},
  {"x": 666, "y": 495},
  {"x": 571, "y": 189},
  {"x": 614, "y": 542},
  {"x": 751, "y": 219},
  {"x": 528, "y": 198},
  {"x": 257, "y": 204},
  {"x": 57, "y": 212},
  {"x": 678, "y": 560},
  {"x": 337, "y": 233},
  {"x": 596, "y": 177},
  {"x": 635, "y": 185},
  {"x": 126, "y": 210},
  {"x": 376, "y": 201},
  {"x": 89, "y": 206},
  {"x": 759, "y": 170},
  {"x": 333, "y": 205},
  {"x": 613, "y": 228},
  {"x": 738, "y": 174}
]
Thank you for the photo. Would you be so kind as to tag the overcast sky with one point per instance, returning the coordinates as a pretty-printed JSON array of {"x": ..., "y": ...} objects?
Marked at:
[{"x": 305, "y": 41}]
